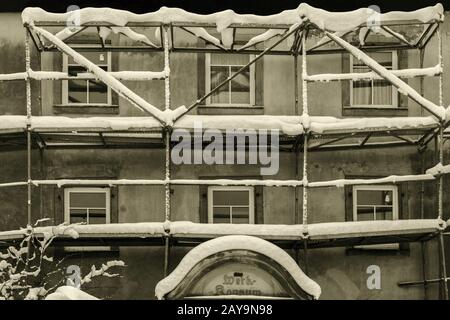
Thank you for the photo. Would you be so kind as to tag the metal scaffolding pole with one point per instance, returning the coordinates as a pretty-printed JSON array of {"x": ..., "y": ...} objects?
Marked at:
[
  {"x": 167, "y": 134},
  {"x": 441, "y": 177},
  {"x": 305, "y": 140},
  {"x": 28, "y": 92}
]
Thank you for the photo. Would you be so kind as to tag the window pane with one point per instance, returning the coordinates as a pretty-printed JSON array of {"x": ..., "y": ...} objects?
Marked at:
[
  {"x": 98, "y": 92},
  {"x": 384, "y": 213},
  {"x": 362, "y": 92},
  {"x": 229, "y": 59},
  {"x": 78, "y": 216},
  {"x": 94, "y": 57},
  {"x": 231, "y": 197},
  {"x": 77, "y": 89},
  {"x": 221, "y": 215},
  {"x": 374, "y": 197},
  {"x": 88, "y": 200},
  {"x": 376, "y": 92},
  {"x": 240, "y": 215},
  {"x": 382, "y": 92},
  {"x": 365, "y": 214},
  {"x": 97, "y": 216},
  {"x": 240, "y": 86},
  {"x": 218, "y": 75}
]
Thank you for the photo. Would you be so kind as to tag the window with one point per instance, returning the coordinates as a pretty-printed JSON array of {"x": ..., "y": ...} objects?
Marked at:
[
  {"x": 375, "y": 203},
  {"x": 86, "y": 92},
  {"x": 231, "y": 205},
  {"x": 87, "y": 205},
  {"x": 238, "y": 92},
  {"x": 378, "y": 202},
  {"x": 373, "y": 93}
]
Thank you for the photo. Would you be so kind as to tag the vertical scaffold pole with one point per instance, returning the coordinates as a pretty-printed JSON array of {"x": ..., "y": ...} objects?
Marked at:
[
  {"x": 167, "y": 133},
  {"x": 305, "y": 140},
  {"x": 441, "y": 178},
  {"x": 305, "y": 149},
  {"x": 296, "y": 156},
  {"x": 28, "y": 92}
]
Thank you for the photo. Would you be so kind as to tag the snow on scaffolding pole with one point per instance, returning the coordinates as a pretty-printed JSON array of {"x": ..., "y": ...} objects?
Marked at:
[
  {"x": 439, "y": 169},
  {"x": 56, "y": 75},
  {"x": 330, "y": 21},
  {"x": 123, "y": 182},
  {"x": 404, "y": 73},
  {"x": 116, "y": 85},
  {"x": 438, "y": 111},
  {"x": 386, "y": 180}
]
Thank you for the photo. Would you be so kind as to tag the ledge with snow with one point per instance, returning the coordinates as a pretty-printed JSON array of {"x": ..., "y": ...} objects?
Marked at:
[{"x": 318, "y": 235}]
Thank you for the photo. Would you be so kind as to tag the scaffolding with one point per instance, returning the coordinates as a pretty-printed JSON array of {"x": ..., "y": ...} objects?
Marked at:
[{"x": 283, "y": 34}]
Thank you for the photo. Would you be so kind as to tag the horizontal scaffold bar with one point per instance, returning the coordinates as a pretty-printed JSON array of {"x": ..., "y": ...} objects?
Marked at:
[
  {"x": 404, "y": 73},
  {"x": 392, "y": 179},
  {"x": 54, "y": 75}
]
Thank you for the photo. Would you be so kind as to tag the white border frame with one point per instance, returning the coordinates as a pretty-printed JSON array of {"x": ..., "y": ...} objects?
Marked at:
[
  {"x": 393, "y": 188},
  {"x": 65, "y": 83},
  {"x": 232, "y": 105},
  {"x": 251, "y": 202},
  {"x": 395, "y": 92}
]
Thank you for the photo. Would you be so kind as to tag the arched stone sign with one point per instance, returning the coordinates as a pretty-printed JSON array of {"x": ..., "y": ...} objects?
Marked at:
[{"x": 243, "y": 266}]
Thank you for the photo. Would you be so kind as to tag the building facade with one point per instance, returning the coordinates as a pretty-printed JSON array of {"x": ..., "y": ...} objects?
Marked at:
[{"x": 272, "y": 86}]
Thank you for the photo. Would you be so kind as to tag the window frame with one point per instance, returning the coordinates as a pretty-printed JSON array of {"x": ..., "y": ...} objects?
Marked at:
[
  {"x": 395, "y": 202},
  {"x": 231, "y": 105},
  {"x": 67, "y": 192},
  {"x": 251, "y": 202},
  {"x": 395, "y": 93},
  {"x": 65, "y": 83}
]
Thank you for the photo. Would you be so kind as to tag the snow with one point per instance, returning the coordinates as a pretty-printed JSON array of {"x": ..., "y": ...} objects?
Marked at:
[
  {"x": 56, "y": 75},
  {"x": 144, "y": 229},
  {"x": 379, "y": 227},
  {"x": 389, "y": 179},
  {"x": 324, "y": 124},
  {"x": 263, "y": 37},
  {"x": 404, "y": 73},
  {"x": 205, "y": 35},
  {"x": 138, "y": 37},
  {"x": 69, "y": 293},
  {"x": 344, "y": 21},
  {"x": 332, "y": 21},
  {"x": 234, "y": 242},
  {"x": 404, "y": 88},
  {"x": 289, "y": 125},
  {"x": 439, "y": 169},
  {"x": 181, "y": 228}
]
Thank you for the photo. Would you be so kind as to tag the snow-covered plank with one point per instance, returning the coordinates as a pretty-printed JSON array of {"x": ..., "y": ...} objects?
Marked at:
[
  {"x": 439, "y": 169},
  {"x": 335, "y": 230},
  {"x": 324, "y": 124},
  {"x": 404, "y": 73},
  {"x": 110, "y": 81},
  {"x": 236, "y": 242},
  {"x": 289, "y": 125},
  {"x": 392, "y": 179},
  {"x": 332, "y": 21},
  {"x": 403, "y": 87}
]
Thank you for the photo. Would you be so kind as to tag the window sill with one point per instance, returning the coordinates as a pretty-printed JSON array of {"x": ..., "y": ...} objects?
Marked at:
[
  {"x": 86, "y": 109},
  {"x": 230, "y": 110},
  {"x": 375, "y": 111}
]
